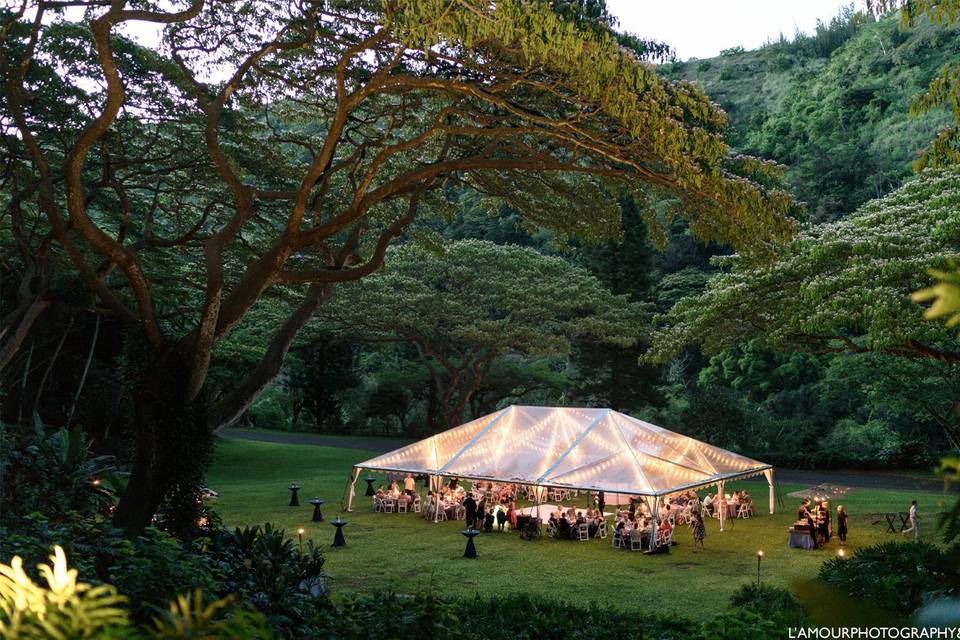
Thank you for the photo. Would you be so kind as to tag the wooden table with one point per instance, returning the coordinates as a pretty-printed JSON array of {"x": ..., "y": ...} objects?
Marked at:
[{"x": 891, "y": 519}]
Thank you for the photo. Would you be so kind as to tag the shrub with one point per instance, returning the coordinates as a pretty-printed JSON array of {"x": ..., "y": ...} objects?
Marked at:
[
  {"x": 772, "y": 603},
  {"x": 899, "y": 576},
  {"x": 53, "y": 473},
  {"x": 66, "y": 608}
]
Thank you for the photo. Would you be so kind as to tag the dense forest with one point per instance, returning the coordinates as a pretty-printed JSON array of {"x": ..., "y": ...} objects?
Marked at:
[{"x": 831, "y": 107}]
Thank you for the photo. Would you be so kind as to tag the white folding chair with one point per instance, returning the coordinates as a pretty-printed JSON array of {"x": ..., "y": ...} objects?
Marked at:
[
  {"x": 602, "y": 529},
  {"x": 617, "y": 540},
  {"x": 583, "y": 533},
  {"x": 388, "y": 506},
  {"x": 743, "y": 511},
  {"x": 402, "y": 506},
  {"x": 636, "y": 543},
  {"x": 416, "y": 504},
  {"x": 461, "y": 513}
]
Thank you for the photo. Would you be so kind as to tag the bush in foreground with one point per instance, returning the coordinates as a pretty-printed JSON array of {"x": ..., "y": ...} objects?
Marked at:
[{"x": 899, "y": 576}]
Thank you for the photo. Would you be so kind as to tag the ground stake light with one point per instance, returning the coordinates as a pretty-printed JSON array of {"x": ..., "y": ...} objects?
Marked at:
[
  {"x": 300, "y": 535},
  {"x": 759, "y": 558}
]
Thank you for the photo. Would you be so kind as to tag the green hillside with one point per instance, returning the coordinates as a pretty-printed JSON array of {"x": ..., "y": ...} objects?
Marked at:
[{"x": 832, "y": 106}]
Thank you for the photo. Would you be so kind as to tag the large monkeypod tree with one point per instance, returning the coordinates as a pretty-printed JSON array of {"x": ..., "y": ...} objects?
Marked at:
[
  {"x": 189, "y": 161},
  {"x": 474, "y": 302}
]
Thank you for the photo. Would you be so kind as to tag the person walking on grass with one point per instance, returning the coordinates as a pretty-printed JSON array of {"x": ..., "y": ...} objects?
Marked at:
[
  {"x": 841, "y": 524},
  {"x": 699, "y": 530},
  {"x": 914, "y": 522}
]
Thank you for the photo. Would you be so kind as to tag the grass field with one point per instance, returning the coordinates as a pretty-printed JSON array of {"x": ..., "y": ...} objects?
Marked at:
[{"x": 403, "y": 552}]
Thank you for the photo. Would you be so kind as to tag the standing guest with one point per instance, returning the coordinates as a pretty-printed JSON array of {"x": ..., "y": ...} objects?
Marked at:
[
  {"x": 409, "y": 485},
  {"x": 481, "y": 506},
  {"x": 824, "y": 521},
  {"x": 512, "y": 514},
  {"x": 811, "y": 521},
  {"x": 914, "y": 522},
  {"x": 601, "y": 501},
  {"x": 841, "y": 524},
  {"x": 453, "y": 484},
  {"x": 470, "y": 506},
  {"x": 501, "y": 514},
  {"x": 804, "y": 511},
  {"x": 699, "y": 530}
]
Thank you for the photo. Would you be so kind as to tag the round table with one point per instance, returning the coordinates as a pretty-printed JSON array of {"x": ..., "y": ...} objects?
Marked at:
[
  {"x": 471, "y": 550},
  {"x": 294, "y": 498},
  {"x": 370, "y": 480},
  {"x": 317, "y": 515},
  {"x": 338, "y": 539}
]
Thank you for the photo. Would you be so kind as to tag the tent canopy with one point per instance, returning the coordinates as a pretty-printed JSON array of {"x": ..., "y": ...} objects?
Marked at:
[{"x": 591, "y": 449}]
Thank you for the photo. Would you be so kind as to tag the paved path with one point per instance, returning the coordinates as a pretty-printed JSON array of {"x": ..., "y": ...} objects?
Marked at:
[{"x": 902, "y": 481}]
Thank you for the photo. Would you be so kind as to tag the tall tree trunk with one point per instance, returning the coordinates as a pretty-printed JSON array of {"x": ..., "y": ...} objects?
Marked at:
[{"x": 173, "y": 440}]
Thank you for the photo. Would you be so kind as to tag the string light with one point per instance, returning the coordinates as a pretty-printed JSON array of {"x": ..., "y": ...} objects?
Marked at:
[{"x": 575, "y": 447}]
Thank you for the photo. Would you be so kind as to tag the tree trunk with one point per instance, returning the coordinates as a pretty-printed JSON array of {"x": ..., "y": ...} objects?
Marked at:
[{"x": 173, "y": 441}]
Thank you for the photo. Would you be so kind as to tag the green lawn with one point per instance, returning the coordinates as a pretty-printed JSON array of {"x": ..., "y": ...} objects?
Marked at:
[{"x": 404, "y": 552}]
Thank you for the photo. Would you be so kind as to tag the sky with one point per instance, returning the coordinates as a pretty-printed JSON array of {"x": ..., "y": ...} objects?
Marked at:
[{"x": 702, "y": 28}]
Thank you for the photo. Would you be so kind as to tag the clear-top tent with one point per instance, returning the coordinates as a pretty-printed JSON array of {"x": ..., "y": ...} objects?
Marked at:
[{"x": 575, "y": 448}]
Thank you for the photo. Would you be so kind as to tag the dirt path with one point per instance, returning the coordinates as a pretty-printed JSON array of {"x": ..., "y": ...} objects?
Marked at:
[{"x": 900, "y": 481}]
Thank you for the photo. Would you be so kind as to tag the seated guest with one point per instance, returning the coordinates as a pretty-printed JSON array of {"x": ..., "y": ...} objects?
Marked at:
[
  {"x": 394, "y": 490},
  {"x": 708, "y": 503},
  {"x": 554, "y": 520},
  {"x": 594, "y": 526},
  {"x": 488, "y": 520},
  {"x": 380, "y": 493},
  {"x": 563, "y": 528}
]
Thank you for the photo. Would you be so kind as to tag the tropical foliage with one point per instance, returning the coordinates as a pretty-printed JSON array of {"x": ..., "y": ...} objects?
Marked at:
[{"x": 467, "y": 304}]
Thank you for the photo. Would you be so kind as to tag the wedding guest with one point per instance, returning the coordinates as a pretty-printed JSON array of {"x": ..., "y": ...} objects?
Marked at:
[
  {"x": 699, "y": 530},
  {"x": 841, "y": 524}
]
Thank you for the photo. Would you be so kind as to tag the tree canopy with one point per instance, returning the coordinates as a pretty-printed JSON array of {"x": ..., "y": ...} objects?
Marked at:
[
  {"x": 475, "y": 301},
  {"x": 841, "y": 286}
]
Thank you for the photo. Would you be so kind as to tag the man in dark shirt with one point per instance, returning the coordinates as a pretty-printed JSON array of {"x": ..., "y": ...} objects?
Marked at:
[{"x": 470, "y": 505}]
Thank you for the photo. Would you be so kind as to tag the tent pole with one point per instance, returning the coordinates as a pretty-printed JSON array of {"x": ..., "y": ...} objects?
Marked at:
[
  {"x": 436, "y": 496},
  {"x": 769, "y": 475},
  {"x": 722, "y": 496},
  {"x": 656, "y": 523},
  {"x": 353, "y": 483}
]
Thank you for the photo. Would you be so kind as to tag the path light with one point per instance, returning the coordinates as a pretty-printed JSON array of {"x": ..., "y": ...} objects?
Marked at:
[
  {"x": 759, "y": 558},
  {"x": 96, "y": 482},
  {"x": 841, "y": 554},
  {"x": 300, "y": 535}
]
